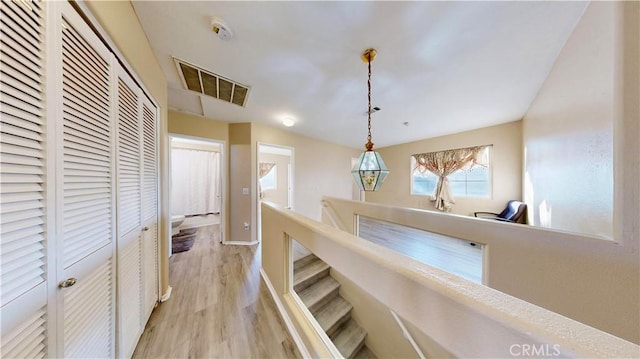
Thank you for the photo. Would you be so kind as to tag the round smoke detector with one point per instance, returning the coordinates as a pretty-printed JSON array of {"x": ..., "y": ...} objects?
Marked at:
[{"x": 221, "y": 29}]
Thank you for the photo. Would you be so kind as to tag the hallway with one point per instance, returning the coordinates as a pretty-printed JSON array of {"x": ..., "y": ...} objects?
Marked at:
[{"x": 219, "y": 307}]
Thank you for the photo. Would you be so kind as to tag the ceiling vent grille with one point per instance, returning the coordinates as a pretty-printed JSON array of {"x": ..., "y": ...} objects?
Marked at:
[{"x": 210, "y": 84}]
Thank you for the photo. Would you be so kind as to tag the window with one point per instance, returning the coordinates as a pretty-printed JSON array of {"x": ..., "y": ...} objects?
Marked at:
[
  {"x": 269, "y": 180},
  {"x": 475, "y": 182}
]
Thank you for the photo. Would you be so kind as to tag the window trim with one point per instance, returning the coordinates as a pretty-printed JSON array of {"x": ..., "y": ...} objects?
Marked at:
[{"x": 489, "y": 178}]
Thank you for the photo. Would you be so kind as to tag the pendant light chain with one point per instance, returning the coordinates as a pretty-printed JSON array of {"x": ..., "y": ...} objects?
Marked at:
[
  {"x": 370, "y": 170},
  {"x": 369, "y": 144}
]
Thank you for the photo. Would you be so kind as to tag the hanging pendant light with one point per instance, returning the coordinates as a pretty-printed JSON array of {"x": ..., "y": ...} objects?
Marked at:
[{"x": 370, "y": 171}]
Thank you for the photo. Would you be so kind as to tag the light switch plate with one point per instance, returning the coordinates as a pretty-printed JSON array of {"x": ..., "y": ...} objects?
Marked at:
[{"x": 245, "y": 191}]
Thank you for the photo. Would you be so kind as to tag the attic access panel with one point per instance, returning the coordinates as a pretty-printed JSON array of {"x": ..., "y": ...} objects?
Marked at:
[{"x": 210, "y": 84}]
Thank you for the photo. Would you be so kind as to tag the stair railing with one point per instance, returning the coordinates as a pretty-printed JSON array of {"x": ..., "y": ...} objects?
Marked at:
[
  {"x": 455, "y": 314},
  {"x": 330, "y": 215},
  {"x": 408, "y": 335}
]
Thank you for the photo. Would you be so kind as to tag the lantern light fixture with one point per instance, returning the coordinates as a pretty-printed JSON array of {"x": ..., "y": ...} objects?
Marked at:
[{"x": 369, "y": 172}]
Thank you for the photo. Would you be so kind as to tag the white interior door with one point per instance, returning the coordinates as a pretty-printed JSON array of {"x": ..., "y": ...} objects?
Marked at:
[
  {"x": 23, "y": 238},
  {"x": 149, "y": 208},
  {"x": 129, "y": 247},
  {"x": 85, "y": 191},
  {"x": 75, "y": 131}
]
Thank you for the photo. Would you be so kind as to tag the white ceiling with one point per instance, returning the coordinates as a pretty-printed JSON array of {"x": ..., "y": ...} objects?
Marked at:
[{"x": 443, "y": 67}]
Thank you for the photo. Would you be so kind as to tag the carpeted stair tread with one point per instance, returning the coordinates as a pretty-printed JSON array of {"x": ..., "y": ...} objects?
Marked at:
[
  {"x": 333, "y": 314},
  {"x": 320, "y": 293},
  {"x": 350, "y": 339},
  {"x": 365, "y": 353},
  {"x": 312, "y": 272},
  {"x": 303, "y": 261}
]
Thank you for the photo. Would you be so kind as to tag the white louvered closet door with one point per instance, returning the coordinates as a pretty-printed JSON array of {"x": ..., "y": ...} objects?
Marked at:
[
  {"x": 23, "y": 288},
  {"x": 129, "y": 149},
  {"x": 149, "y": 208},
  {"x": 85, "y": 192}
]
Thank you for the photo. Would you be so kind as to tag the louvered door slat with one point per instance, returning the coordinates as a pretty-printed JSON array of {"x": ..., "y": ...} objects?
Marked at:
[
  {"x": 91, "y": 72},
  {"x": 27, "y": 340},
  {"x": 15, "y": 185},
  {"x": 128, "y": 159},
  {"x": 22, "y": 38},
  {"x": 24, "y": 103},
  {"x": 130, "y": 276},
  {"x": 92, "y": 298},
  {"x": 22, "y": 204},
  {"x": 16, "y": 122},
  {"x": 82, "y": 110},
  {"x": 75, "y": 142},
  {"x": 16, "y": 213},
  {"x": 17, "y": 159},
  {"x": 83, "y": 51},
  {"x": 10, "y": 113},
  {"x": 79, "y": 117},
  {"x": 11, "y": 84},
  {"x": 150, "y": 269},
  {"x": 19, "y": 60},
  {"x": 86, "y": 133},
  {"x": 16, "y": 197},
  {"x": 30, "y": 14},
  {"x": 22, "y": 263},
  {"x": 23, "y": 83},
  {"x": 149, "y": 207},
  {"x": 73, "y": 80},
  {"x": 16, "y": 62},
  {"x": 23, "y": 18},
  {"x": 75, "y": 157}
]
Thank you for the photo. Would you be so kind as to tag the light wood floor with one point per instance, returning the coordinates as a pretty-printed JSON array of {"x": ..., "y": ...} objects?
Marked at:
[
  {"x": 453, "y": 255},
  {"x": 219, "y": 307}
]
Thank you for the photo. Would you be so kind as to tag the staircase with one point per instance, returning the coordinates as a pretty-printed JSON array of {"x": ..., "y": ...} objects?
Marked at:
[{"x": 320, "y": 294}]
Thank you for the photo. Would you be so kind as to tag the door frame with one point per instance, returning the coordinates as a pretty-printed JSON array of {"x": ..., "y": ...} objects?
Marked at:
[
  {"x": 222, "y": 178},
  {"x": 291, "y": 184}
]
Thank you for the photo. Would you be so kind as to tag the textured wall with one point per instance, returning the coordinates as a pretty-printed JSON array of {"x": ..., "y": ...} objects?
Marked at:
[
  {"x": 506, "y": 167},
  {"x": 568, "y": 132}
]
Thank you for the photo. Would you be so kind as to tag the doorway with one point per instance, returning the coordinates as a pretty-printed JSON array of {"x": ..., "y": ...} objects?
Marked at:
[
  {"x": 275, "y": 177},
  {"x": 196, "y": 188}
]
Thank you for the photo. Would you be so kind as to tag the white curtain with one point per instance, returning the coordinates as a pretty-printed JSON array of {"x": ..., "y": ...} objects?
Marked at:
[
  {"x": 195, "y": 186},
  {"x": 444, "y": 163}
]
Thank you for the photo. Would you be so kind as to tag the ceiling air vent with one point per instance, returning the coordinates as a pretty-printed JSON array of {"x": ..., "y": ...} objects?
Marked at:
[{"x": 210, "y": 84}]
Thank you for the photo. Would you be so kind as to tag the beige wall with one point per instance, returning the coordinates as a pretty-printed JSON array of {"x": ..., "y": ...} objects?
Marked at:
[
  {"x": 120, "y": 22},
  {"x": 240, "y": 178},
  {"x": 384, "y": 335},
  {"x": 197, "y": 126},
  {"x": 278, "y": 195},
  {"x": 312, "y": 159},
  {"x": 506, "y": 164},
  {"x": 569, "y": 129},
  {"x": 320, "y": 168},
  {"x": 243, "y": 170}
]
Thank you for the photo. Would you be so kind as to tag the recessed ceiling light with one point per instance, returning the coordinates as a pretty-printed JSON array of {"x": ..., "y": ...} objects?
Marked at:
[{"x": 288, "y": 121}]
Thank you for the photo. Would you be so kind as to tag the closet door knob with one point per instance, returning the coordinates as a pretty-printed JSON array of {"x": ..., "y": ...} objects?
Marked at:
[
  {"x": 67, "y": 283},
  {"x": 145, "y": 229}
]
